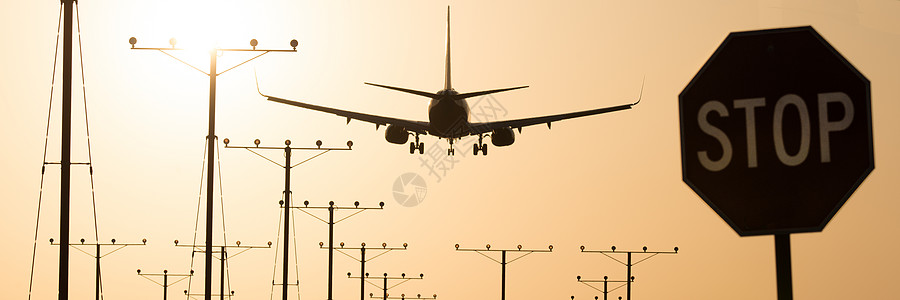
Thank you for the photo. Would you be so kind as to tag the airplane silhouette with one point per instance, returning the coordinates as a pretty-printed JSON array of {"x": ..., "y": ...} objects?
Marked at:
[{"x": 448, "y": 116}]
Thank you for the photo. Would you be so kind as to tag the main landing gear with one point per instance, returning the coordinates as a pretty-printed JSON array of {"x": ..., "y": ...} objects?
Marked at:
[
  {"x": 480, "y": 146},
  {"x": 416, "y": 145},
  {"x": 450, "y": 151}
]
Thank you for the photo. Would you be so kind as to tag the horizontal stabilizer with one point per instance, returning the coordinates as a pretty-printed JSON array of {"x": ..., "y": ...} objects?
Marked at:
[
  {"x": 482, "y": 93},
  {"x": 414, "y": 92}
]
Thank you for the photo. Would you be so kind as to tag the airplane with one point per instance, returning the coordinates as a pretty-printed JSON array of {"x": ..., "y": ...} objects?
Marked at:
[{"x": 448, "y": 116}]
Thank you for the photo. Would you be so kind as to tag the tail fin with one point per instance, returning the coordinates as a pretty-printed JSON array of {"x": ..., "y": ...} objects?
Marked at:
[{"x": 447, "y": 63}]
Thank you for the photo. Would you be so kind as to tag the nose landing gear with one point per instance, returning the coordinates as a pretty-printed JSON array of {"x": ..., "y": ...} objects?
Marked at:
[{"x": 450, "y": 151}]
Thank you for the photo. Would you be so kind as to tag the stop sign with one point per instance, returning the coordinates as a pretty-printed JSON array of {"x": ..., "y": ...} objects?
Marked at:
[{"x": 776, "y": 131}]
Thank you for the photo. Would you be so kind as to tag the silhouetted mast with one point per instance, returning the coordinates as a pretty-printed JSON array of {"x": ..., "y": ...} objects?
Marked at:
[{"x": 66, "y": 153}]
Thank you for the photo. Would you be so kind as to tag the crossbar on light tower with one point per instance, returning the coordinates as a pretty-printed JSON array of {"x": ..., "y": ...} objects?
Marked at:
[
  {"x": 417, "y": 297},
  {"x": 503, "y": 261},
  {"x": 211, "y": 136},
  {"x": 629, "y": 263},
  {"x": 287, "y": 194}
]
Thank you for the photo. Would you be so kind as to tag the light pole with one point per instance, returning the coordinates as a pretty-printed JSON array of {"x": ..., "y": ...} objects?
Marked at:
[
  {"x": 165, "y": 275},
  {"x": 97, "y": 255},
  {"x": 385, "y": 287},
  {"x": 331, "y": 208},
  {"x": 362, "y": 260},
  {"x": 503, "y": 261},
  {"x": 628, "y": 263},
  {"x": 606, "y": 283},
  {"x": 211, "y": 135},
  {"x": 287, "y": 194},
  {"x": 223, "y": 257}
]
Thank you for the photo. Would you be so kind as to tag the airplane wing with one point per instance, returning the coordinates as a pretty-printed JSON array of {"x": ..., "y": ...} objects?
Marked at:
[
  {"x": 410, "y": 125},
  {"x": 484, "y": 127}
]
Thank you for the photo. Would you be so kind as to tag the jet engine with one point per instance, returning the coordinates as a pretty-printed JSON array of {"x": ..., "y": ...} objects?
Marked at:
[
  {"x": 502, "y": 137},
  {"x": 396, "y": 134}
]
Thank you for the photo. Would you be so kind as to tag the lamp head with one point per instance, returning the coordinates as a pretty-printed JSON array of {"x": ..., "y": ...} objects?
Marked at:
[
  {"x": 294, "y": 44},
  {"x": 132, "y": 41}
]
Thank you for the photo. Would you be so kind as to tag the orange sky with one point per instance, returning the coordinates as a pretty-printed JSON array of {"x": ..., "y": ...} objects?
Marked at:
[{"x": 597, "y": 181}]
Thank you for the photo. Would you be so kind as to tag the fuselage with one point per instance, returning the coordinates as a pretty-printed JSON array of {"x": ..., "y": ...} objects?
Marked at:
[{"x": 448, "y": 116}]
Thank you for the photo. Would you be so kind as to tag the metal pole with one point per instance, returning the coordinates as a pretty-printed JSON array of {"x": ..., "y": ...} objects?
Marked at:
[
  {"x": 605, "y": 287},
  {"x": 503, "y": 275},
  {"x": 66, "y": 154},
  {"x": 210, "y": 165},
  {"x": 287, "y": 217},
  {"x": 783, "y": 266},
  {"x": 385, "y": 287},
  {"x": 222, "y": 275},
  {"x": 362, "y": 272},
  {"x": 628, "y": 279},
  {"x": 165, "y": 283},
  {"x": 330, "y": 247},
  {"x": 97, "y": 276}
]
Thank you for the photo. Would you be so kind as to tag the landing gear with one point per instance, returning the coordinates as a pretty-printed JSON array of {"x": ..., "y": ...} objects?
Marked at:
[
  {"x": 450, "y": 151},
  {"x": 480, "y": 146},
  {"x": 416, "y": 145}
]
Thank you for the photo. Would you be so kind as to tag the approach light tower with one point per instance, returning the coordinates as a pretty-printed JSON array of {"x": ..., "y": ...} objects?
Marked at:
[
  {"x": 287, "y": 195},
  {"x": 211, "y": 136}
]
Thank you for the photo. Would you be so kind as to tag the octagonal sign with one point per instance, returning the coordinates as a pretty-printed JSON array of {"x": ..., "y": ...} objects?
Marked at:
[{"x": 776, "y": 131}]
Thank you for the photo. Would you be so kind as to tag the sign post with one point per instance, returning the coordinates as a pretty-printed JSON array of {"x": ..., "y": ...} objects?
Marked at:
[{"x": 776, "y": 134}]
